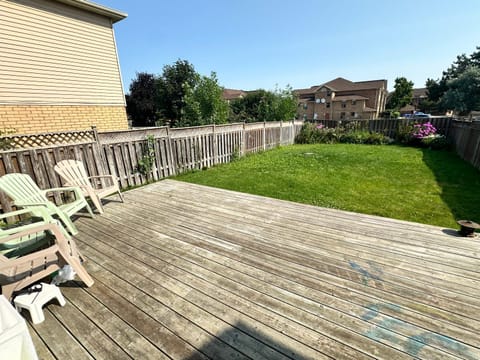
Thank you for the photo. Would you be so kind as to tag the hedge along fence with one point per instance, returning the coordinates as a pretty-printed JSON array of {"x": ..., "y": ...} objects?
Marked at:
[
  {"x": 388, "y": 127},
  {"x": 120, "y": 152}
]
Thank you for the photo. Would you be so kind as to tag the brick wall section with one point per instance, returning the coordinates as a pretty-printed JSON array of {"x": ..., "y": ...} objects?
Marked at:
[{"x": 30, "y": 119}]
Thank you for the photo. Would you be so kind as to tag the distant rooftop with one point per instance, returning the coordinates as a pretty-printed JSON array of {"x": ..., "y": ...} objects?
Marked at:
[{"x": 342, "y": 84}]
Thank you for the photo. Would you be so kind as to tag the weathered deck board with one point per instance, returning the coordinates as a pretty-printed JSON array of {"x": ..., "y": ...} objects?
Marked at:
[{"x": 188, "y": 272}]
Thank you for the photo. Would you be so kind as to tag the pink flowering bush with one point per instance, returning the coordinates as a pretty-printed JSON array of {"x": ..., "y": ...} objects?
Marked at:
[
  {"x": 422, "y": 135},
  {"x": 421, "y": 131}
]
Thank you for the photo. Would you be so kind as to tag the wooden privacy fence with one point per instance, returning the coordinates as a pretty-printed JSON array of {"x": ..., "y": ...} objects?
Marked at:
[
  {"x": 120, "y": 152},
  {"x": 466, "y": 137}
]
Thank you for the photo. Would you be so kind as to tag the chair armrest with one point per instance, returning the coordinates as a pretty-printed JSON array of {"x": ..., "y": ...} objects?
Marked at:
[
  {"x": 43, "y": 212},
  {"x": 35, "y": 228},
  {"x": 75, "y": 189},
  {"x": 101, "y": 176},
  {"x": 15, "y": 213}
]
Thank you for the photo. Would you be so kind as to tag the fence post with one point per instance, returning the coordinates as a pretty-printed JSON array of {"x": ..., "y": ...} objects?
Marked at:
[
  {"x": 99, "y": 153},
  {"x": 264, "y": 136},
  {"x": 293, "y": 132},
  {"x": 242, "y": 144},
  {"x": 215, "y": 150},
  {"x": 280, "y": 137},
  {"x": 172, "y": 165}
]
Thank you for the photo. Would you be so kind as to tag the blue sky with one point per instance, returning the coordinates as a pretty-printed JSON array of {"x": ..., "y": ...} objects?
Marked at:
[{"x": 254, "y": 44}]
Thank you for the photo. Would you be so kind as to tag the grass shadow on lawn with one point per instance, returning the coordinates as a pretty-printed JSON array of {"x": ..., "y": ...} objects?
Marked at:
[{"x": 459, "y": 182}]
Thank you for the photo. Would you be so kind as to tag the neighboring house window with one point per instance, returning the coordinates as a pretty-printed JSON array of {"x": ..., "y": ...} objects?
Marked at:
[
  {"x": 354, "y": 102},
  {"x": 305, "y": 105},
  {"x": 342, "y": 115},
  {"x": 344, "y": 104},
  {"x": 353, "y": 114},
  {"x": 328, "y": 105},
  {"x": 329, "y": 93}
]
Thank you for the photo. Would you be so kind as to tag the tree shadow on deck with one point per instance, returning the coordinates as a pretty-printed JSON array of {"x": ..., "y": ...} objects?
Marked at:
[
  {"x": 244, "y": 341},
  {"x": 459, "y": 182}
]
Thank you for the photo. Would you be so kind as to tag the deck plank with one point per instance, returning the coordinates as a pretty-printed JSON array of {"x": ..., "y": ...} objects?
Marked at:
[{"x": 187, "y": 272}]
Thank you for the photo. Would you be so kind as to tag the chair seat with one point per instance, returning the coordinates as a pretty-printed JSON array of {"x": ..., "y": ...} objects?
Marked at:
[
  {"x": 72, "y": 207},
  {"x": 33, "y": 260}
]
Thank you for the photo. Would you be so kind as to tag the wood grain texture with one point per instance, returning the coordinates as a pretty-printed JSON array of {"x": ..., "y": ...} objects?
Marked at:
[{"x": 185, "y": 271}]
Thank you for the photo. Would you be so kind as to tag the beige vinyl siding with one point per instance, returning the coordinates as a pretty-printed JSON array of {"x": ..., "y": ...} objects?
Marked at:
[{"x": 51, "y": 53}]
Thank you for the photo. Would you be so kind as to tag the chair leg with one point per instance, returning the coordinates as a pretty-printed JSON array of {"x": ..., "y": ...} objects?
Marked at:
[
  {"x": 80, "y": 271},
  {"x": 121, "y": 196},
  {"x": 89, "y": 209},
  {"x": 97, "y": 202},
  {"x": 72, "y": 229}
]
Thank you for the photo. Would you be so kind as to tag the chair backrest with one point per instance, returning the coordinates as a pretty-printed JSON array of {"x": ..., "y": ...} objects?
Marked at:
[
  {"x": 21, "y": 188},
  {"x": 73, "y": 172}
]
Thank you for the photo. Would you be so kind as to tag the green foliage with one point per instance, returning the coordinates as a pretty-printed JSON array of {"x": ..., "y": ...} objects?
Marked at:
[
  {"x": 141, "y": 104},
  {"x": 390, "y": 114},
  {"x": 404, "y": 133},
  {"x": 235, "y": 155},
  {"x": 421, "y": 135},
  {"x": 361, "y": 178},
  {"x": 318, "y": 134},
  {"x": 463, "y": 94},
  {"x": 436, "y": 142},
  {"x": 170, "y": 91},
  {"x": 458, "y": 82},
  {"x": 263, "y": 105},
  {"x": 402, "y": 95},
  {"x": 146, "y": 163},
  {"x": 204, "y": 103}
]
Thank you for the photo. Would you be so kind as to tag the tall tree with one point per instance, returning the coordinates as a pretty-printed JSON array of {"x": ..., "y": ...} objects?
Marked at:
[
  {"x": 263, "y": 105},
  {"x": 204, "y": 103},
  {"x": 171, "y": 87},
  {"x": 463, "y": 94},
  {"x": 141, "y": 104},
  {"x": 402, "y": 95},
  {"x": 437, "y": 88}
]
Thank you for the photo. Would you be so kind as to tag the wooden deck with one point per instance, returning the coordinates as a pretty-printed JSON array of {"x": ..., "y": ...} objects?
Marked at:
[{"x": 189, "y": 272}]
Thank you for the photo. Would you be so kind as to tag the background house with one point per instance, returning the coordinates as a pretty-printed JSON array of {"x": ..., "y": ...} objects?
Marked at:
[
  {"x": 58, "y": 67},
  {"x": 342, "y": 99},
  {"x": 233, "y": 94},
  {"x": 418, "y": 96}
]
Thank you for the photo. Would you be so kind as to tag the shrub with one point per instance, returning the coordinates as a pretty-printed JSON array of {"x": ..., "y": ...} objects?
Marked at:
[
  {"x": 422, "y": 135},
  {"x": 436, "y": 142},
  {"x": 319, "y": 134},
  {"x": 423, "y": 130}
]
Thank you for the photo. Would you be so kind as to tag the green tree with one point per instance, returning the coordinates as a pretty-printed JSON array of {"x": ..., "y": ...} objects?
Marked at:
[
  {"x": 437, "y": 88},
  {"x": 402, "y": 95},
  {"x": 171, "y": 87},
  {"x": 463, "y": 94},
  {"x": 263, "y": 105},
  {"x": 141, "y": 104},
  {"x": 204, "y": 103}
]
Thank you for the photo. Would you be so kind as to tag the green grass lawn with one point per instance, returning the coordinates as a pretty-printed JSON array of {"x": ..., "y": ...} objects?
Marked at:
[{"x": 421, "y": 185}]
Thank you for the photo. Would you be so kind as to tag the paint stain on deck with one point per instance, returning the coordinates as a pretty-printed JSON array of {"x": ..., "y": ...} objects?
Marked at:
[{"x": 389, "y": 329}]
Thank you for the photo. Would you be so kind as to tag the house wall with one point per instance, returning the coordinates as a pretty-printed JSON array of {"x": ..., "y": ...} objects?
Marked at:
[
  {"x": 58, "y": 63},
  {"x": 29, "y": 119},
  {"x": 337, "y": 110}
]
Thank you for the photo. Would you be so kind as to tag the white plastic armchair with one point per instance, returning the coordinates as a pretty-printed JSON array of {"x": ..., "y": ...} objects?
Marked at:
[
  {"x": 95, "y": 187},
  {"x": 33, "y": 250},
  {"x": 25, "y": 193}
]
